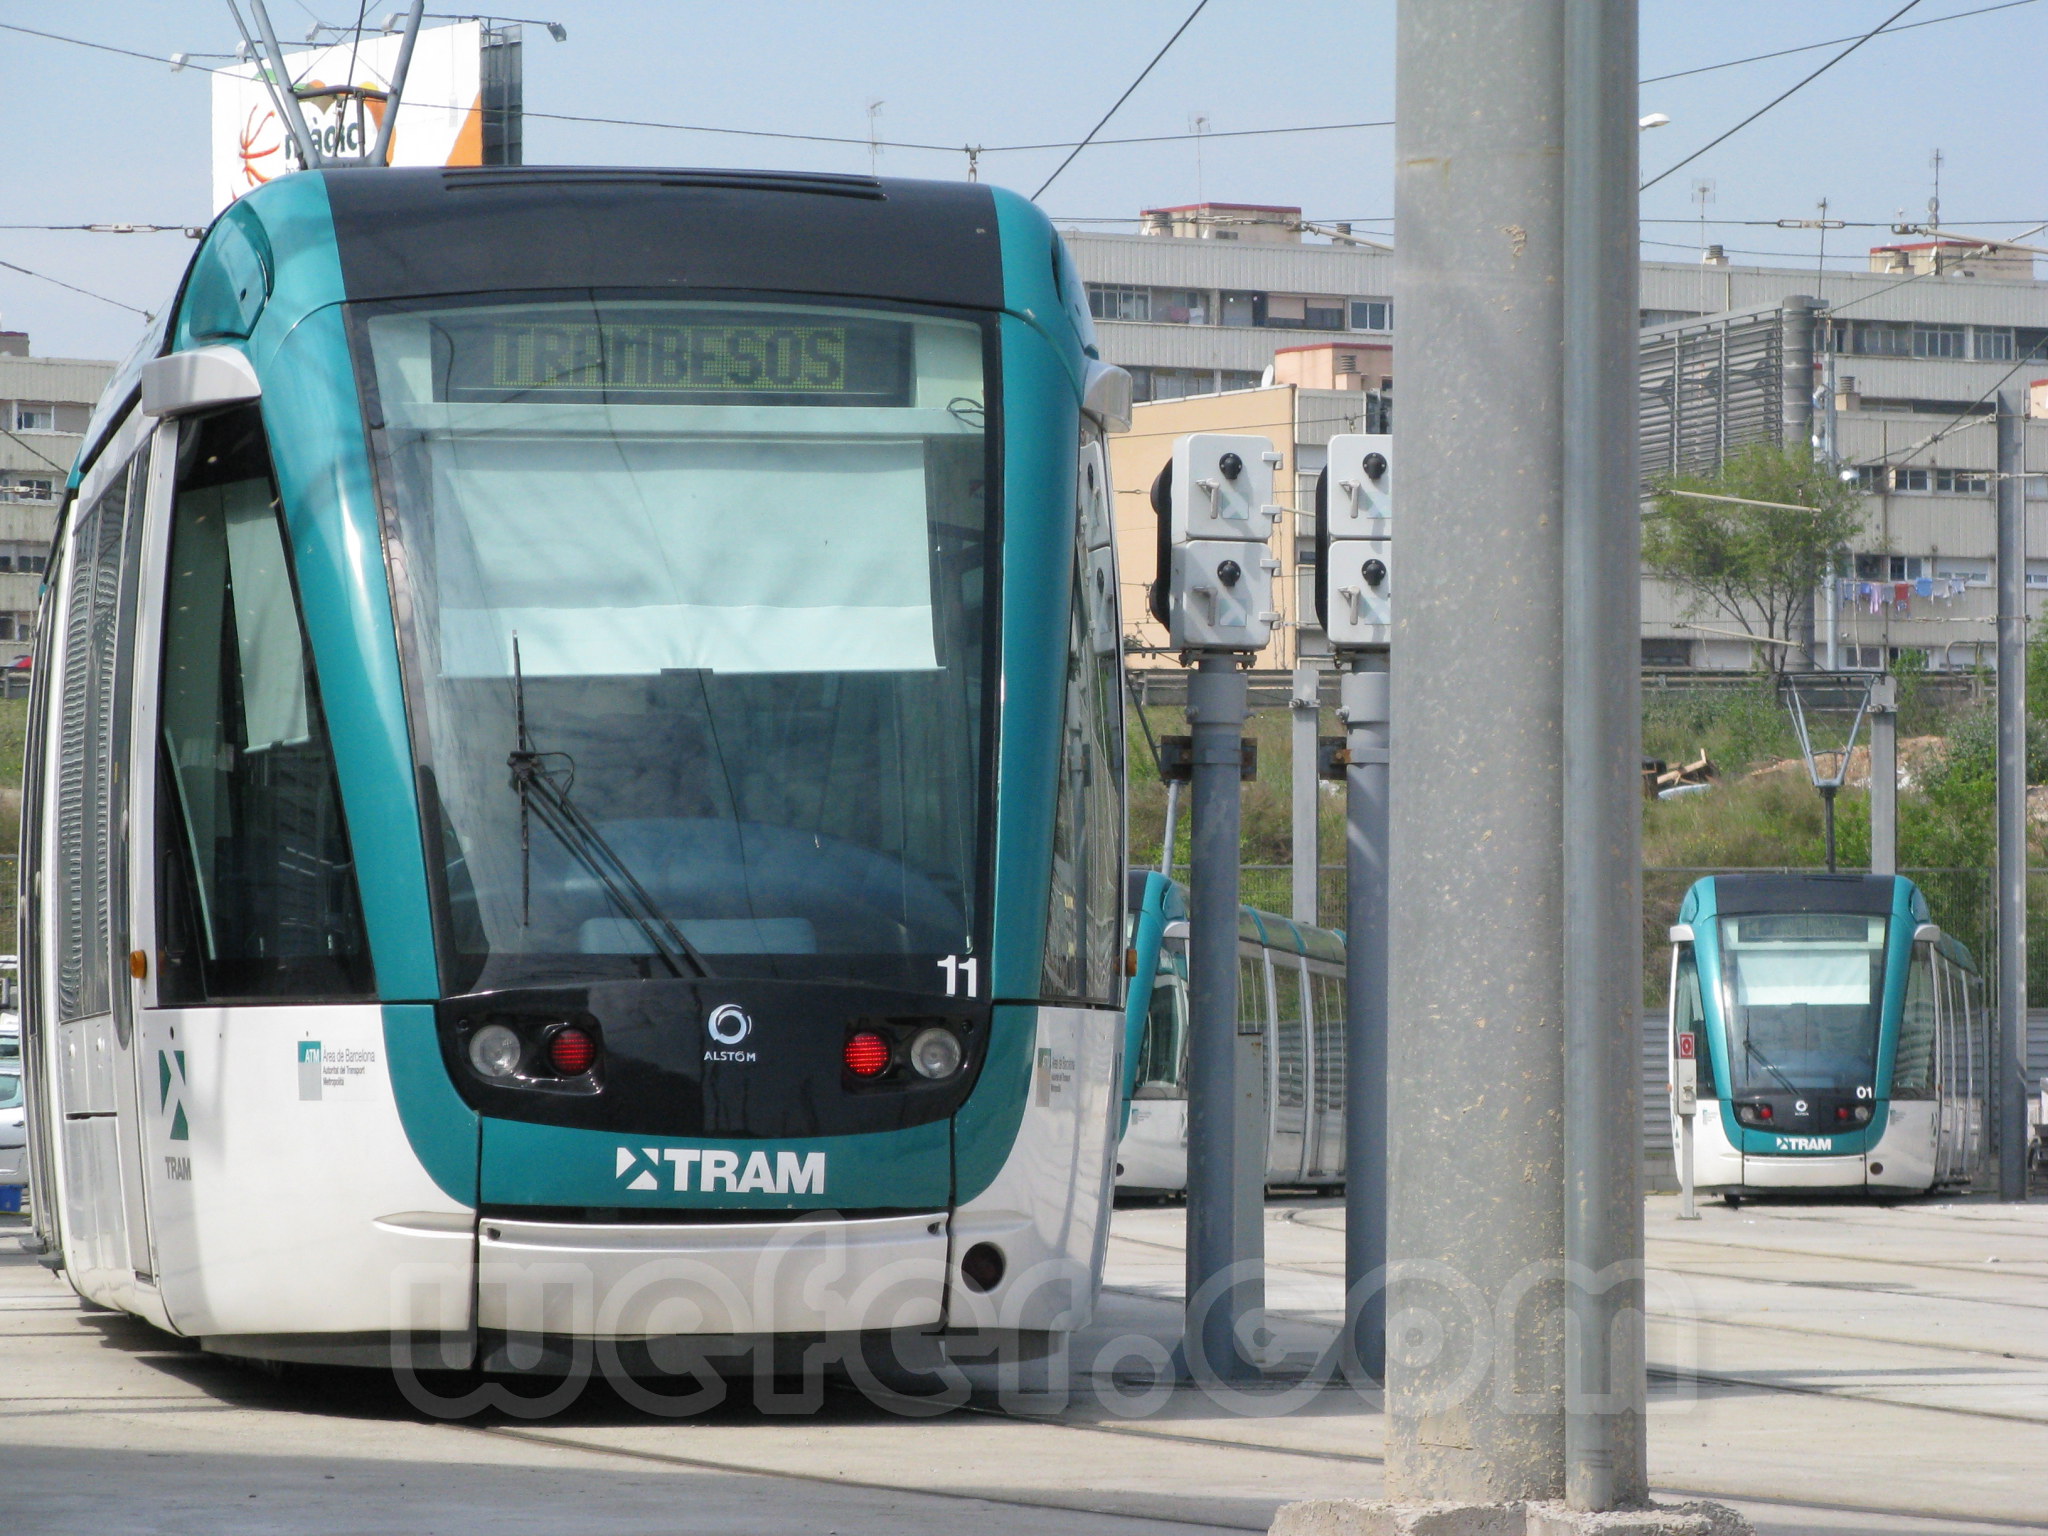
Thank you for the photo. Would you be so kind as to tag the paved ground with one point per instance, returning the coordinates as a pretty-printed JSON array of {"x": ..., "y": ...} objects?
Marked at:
[{"x": 1844, "y": 1370}]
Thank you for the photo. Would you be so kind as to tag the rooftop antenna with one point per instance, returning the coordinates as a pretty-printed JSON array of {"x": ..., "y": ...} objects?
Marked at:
[
  {"x": 874, "y": 144},
  {"x": 1820, "y": 267},
  {"x": 1703, "y": 194},
  {"x": 1198, "y": 125},
  {"x": 1934, "y": 202}
]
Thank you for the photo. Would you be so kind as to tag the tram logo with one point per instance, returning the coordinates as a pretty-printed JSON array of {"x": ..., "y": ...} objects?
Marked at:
[
  {"x": 719, "y": 1168},
  {"x": 729, "y": 1024},
  {"x": 1806, "y": 1143}
]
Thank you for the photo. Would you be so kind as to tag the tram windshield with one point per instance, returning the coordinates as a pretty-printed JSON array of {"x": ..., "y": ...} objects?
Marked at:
[
  {"x": 695, "y": 604},
  {"x": 1803, "y": 993}
]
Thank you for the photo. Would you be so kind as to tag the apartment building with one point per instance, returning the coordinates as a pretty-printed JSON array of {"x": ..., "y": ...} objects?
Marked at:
[
  {"x": 1211, "y": 302},
  {"x": 44, "y": 405}
]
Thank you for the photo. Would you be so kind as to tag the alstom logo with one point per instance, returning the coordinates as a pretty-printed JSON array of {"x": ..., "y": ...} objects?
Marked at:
[{"x": 717, "y": 1169}]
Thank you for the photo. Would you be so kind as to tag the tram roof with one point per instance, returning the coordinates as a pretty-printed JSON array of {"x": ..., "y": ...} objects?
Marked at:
[
  {"x": 1800, "y": 892},
  {"x": 415, "y": 232}
]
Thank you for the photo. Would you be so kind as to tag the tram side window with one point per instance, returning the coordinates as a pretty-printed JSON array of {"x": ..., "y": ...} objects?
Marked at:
[
  {"x": 1162, "y": 1062},
  {"x": 1288, "y": 1045},
  {"x": 256, "y": 888},
  {"x": 1326, "y": 989},
  {"x": 1690, "y": 1018},
  {"x": 1083, "y": 918},
  {"x": 1252, "y": 1007},
  {"x": 98, "y": 618},
  {"x": 1913, "y": 1066}
]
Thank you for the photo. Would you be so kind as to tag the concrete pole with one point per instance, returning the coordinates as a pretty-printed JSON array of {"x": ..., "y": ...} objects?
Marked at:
[
  {"x": 1490, "y": 936},
  {"x": 1307, "y": 708},
  {"x": 1364, "y": 708},
  {"x": 1226, "y": 1077},
  {"x": 2009, "y": 1071},
  {"x": 1603, "y": 1234},
  {"x": 1884, "y": 776}
]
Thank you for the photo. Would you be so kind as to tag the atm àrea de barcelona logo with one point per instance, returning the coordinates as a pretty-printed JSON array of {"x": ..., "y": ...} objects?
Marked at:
[{"x": 170, "y": 1092}]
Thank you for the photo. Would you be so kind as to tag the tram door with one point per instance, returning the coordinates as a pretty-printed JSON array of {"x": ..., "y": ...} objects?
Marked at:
[
  {"x": 1951, "y": 1152},
  {"x": 84, "y": 842}
]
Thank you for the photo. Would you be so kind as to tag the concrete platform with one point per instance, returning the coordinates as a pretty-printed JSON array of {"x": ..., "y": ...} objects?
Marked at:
[{"x": 1825, "y": 1369}]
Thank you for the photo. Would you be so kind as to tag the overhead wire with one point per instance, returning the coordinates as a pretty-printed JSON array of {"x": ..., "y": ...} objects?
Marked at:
[
  {"x": 29, "y": 447},
  {"x": 1780, "y": 53},
  {"x": 1200, "y": 5},
  {"x": 45, "y": 277},
  {"x": 1781, "y": 96}
]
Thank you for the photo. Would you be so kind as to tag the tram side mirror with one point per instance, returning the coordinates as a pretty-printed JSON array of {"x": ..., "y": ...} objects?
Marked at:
[
  {"x": 1175, "y": 930},
  {"x": 1681, "y": 933},
  {"x": 1107, "y": 396},
  {"x": 1927, "y": 933},
  {"x": 198, "y": 380}
]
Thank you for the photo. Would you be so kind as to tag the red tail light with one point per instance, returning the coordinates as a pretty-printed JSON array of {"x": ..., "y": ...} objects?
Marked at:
[
  {"x": 1763, "y": 1111},
  {"x": 571, "y": 1051},
  {"x": 867, "y": 1054},
  {"x": 1841, "y": 1111}
]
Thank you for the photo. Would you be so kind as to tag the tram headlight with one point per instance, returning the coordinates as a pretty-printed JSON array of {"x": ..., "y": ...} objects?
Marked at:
[
  {"x": 935, "y": 1053},
  {"x": 495, "y": 1050},
  {"x": 1862, "y": 1113}
]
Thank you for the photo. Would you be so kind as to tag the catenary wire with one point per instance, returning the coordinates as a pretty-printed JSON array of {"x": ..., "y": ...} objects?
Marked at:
[
  {"x": 28, "y": 447},
  {"x": 1782, "y": 95},
  {"x": 1780, "y": 53},
  {"x": 1200, "y": 5},
  {"x": 31, "y": 272}
]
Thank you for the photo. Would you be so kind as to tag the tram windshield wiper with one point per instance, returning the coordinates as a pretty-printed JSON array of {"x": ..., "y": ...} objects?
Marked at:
[
  {"x": 542, "y": 781},
  {"x": 1768, "y": 1065}
]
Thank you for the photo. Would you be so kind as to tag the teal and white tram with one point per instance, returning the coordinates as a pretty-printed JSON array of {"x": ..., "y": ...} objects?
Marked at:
[
  {"x": 576, "y": 783},
  {"x": 1290, "y": 980},
  {"x": 1840, "y": 1036}
]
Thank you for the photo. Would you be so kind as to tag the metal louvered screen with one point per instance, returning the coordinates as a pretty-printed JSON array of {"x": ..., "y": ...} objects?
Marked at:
[
  {"x": 85, "y": 753},
  {"x": 1709, "y": 387}
]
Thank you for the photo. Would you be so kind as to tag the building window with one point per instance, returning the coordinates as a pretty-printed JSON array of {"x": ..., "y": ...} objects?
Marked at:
[
  {"x": 1910, "y": 477},
  {"x": 1962, "y": 482},
  {"x": 1992, "y": 343},
  {"x": 1284, "y": 311},
  {"x": 1876, "y": 338},
  {"x": 1241, "y": 378},
  {"x": 1180, "y": 306},
  {"x": 1971, "y": 573},
  {"x": 1940, "y": 341},
  {"x": 1116, "y": 301},
  {"x": 28, "y": 488},
  {"x": 35, "y": 418},
  {"x": 1893, "y": 567},
  {"x": 1372, "y": 314},
  {"x": 1323, "y": 315},
  {"x": 1667, "y": 653},
  {"x": 1240, "y": 308},
  {"x": 1873, "y": 478}
]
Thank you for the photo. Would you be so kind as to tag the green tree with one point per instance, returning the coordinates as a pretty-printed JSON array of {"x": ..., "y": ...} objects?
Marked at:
[{"x": 1755, "y": 566}]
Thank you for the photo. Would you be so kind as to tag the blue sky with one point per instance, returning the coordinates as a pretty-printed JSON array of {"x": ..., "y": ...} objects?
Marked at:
[{"x": 96, "y": 137}]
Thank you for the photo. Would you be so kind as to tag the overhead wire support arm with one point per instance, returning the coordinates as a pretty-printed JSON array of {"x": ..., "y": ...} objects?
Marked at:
[
  {"x": 277, "y": 80},
  {"x": 380, "y": 152}
]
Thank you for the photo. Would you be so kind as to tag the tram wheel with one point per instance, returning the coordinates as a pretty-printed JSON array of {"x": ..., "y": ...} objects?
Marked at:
[{"x": 1733, "y": 1202}]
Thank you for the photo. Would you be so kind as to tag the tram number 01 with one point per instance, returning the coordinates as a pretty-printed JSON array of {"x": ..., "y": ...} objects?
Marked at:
[{"x": 960, "y": 975}]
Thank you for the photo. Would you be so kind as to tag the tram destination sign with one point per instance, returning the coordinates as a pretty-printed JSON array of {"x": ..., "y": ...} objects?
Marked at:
[{"x": 704, "y": 359}]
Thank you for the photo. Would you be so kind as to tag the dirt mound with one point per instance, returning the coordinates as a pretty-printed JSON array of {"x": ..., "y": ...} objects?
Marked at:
[{"x": 1917, "y": 754}]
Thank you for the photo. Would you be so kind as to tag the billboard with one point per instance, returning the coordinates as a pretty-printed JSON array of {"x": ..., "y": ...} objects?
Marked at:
[{"x": 461, "y": 106}]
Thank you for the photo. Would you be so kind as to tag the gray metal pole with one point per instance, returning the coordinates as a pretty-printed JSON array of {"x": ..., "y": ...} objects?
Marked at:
[
  {"x": 2009, "y": 1071},
  {"x": 1795, "y": 371},
  {"x": 1307, "y": 708},
  {"x": 1884, "y": 776},
  {"x": 1603, "y": 1240},
  {"x": 1478, "y": 1118},
  {"x": 1226, "y": 1083},
  {"x": 1364, "y": 700}
]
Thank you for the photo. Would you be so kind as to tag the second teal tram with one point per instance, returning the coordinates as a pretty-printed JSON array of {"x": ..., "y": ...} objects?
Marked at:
[
  {"x": 575, "y": 789},
  {"x": 1840, "y": 1036},
  {"x": 1290, "y": 990}
]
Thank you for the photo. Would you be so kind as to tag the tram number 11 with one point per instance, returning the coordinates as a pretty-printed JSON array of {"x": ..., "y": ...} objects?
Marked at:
[{"x": 960, "y": 975}]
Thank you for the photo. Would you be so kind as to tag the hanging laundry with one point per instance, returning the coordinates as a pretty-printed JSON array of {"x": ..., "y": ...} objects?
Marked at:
[
  {"x": 1924, "y": 586},
  {"x": 1902, "y": 592},
  {"x": 1875, "y": 595}
]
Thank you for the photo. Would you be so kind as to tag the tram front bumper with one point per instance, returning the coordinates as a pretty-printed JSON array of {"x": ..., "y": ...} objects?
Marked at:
[
  {"x": 656, "y": 1280},
  {"x": 1809, "y": 1172}
]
